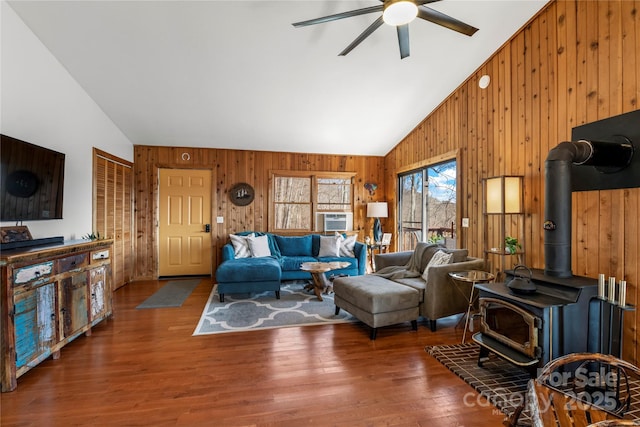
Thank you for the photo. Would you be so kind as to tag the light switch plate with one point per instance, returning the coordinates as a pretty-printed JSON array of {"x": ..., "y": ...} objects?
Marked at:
[
  {"x": 465, "y": 222},
  {"x": 219, "y": 220}
]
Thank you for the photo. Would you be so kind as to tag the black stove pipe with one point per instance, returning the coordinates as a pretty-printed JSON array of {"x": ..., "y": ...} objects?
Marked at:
[{"x": 557, "y": 194}]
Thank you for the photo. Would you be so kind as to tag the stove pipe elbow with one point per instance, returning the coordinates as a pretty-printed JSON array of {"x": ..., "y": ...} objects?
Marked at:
[{"x": 557, "y": 194}]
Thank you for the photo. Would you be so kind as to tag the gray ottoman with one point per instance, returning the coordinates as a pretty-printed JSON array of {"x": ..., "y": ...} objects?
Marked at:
[{"x": 377, "y": 301}]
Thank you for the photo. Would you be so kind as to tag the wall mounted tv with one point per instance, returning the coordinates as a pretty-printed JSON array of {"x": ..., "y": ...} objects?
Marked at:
[{"x": 31, "y": 181}]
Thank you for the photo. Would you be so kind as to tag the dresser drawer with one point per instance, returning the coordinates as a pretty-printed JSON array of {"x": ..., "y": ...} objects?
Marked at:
[
  {"x": 98, "y": 255},
  {"x": 29, "y": 273},
  {"x": 72, "y": 262}
]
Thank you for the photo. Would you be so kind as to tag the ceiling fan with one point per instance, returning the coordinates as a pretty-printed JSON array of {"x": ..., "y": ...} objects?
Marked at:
[{"x": 397, "y": 13}]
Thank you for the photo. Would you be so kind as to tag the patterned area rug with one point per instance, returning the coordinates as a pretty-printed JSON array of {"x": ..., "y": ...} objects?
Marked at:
[
  {"x": 503, "y": 384},
  {"x": 244, "y": 312}
]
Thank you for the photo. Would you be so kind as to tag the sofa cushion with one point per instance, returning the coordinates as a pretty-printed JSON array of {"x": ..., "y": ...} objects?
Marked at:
[
  {"x": 259, "y": 246},
  {"x": 295, "y": 246},
  {"x": 329, "y": 246},
  {"x": 439, "y": 258},
  {"x": 241, "y": 245},
  {"x": 292, "y": 263},
  {"x": 459, "y": 255},
  {"x": 416, "y": 283},
  {"x": 249, "y": 270}
]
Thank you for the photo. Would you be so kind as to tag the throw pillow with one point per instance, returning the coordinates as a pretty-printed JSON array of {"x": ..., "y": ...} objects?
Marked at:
[
  {"x": 330, "y": 246},
  {"x": 259, "y": 246},
  {"x": 439, "y": 258},
  {"x": 240, "y": 245},
  {"x": 347, "y": 245}
]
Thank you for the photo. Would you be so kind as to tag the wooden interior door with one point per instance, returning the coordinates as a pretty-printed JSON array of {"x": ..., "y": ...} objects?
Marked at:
[
  {"x": 185, "y": 222},
  {"x": 113, "y": 211}
]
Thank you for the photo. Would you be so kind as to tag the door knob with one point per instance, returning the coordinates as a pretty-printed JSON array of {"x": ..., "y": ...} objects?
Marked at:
[{"x": 207, "y": 228}]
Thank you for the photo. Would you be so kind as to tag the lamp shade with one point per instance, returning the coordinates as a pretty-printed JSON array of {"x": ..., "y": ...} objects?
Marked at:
[
  {"x": 377, "y": 210},
  {"x": 503, "y": 195}
]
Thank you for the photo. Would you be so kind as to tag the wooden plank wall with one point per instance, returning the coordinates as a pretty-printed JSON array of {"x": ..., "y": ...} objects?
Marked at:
[
  {"x": 574, "y": 63},
  {"x": 230, "y": 167}
]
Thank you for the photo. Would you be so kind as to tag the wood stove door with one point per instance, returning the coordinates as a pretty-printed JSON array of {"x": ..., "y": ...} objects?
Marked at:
[{"x": 511, "y": 325}]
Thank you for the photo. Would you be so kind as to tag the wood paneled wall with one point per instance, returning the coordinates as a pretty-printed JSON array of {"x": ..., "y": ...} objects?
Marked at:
[
  {"x": 230, "y": 167},
  {"x": 574, "y": 63}
]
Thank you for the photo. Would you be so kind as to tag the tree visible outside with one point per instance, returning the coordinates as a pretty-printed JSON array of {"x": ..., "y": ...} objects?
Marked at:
[
  {"x": 293, "y": 199},
  {"x": 428, "y": 205}
]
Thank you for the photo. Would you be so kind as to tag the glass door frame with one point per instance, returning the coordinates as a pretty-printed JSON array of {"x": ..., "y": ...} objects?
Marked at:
[{"x": 408, "y": 237}]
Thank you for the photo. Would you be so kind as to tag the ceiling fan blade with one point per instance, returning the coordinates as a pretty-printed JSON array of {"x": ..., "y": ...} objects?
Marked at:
[
  {"x": 447, "y": 21},
  {"x": 403, "y": 40},
  {"x": 366, "y": 33},
  {"x": 419, "y": 2},
  {"x": 337, "y": 16}
]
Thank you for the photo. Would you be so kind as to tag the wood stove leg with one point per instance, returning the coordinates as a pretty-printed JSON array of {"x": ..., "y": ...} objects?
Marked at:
[{"x": 483, "y": 355}]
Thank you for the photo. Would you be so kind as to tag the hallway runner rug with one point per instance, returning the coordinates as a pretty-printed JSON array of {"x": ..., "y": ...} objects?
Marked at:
[
  {"x": 173, "y": 294},
  {"x": 503, "y": 384},
  {"x": 249, "y": 312}
]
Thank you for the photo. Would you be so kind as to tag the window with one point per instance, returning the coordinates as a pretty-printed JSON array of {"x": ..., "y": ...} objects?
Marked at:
[
  {"x": 427, "y": 205},
  {"x": 298, "y": 197},
  {"x": 334, "y": 194},
  {"x": 292, "y": 203}
]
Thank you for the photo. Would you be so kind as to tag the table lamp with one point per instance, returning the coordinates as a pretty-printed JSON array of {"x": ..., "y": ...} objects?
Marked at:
[{"x": 377, "y": 210}]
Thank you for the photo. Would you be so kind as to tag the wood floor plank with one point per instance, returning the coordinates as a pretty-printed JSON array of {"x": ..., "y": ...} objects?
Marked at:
[{"x": 143, "y": 367}]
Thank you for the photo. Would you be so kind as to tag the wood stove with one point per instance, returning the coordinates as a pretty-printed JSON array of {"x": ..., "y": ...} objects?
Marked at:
[{"x": 530, "y": 330}]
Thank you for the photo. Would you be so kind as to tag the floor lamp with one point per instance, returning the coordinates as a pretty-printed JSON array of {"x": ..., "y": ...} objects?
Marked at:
[{"x": 377, "y": 210}]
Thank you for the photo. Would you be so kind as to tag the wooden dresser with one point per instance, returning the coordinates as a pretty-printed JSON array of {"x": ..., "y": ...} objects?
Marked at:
[{"x": 50, "y": 296}]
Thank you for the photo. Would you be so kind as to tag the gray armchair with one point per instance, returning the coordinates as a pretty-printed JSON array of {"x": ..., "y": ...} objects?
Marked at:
[{"x": 440, "y": 297}]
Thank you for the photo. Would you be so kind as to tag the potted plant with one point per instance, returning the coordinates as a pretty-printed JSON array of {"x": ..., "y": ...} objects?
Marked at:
[{"x": 511, "y": 245}]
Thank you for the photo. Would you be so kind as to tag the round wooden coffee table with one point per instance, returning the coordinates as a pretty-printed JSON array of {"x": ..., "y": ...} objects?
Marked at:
[{"x": 317, "y": 269}]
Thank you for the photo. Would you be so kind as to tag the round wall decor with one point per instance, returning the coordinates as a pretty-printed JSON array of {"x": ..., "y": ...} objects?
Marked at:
[{"x": 241, "y": 194}]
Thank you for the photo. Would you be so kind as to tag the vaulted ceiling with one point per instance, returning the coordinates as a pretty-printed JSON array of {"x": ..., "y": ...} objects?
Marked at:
[{"x": 237, "y": 74}]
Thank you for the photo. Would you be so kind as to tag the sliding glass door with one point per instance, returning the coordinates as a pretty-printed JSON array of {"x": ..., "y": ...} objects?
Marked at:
[{"x": 427, "y": 206}]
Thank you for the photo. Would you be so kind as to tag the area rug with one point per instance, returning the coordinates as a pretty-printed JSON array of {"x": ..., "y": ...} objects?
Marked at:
[
  {"x": 173, "y": 294},
  {"x": 503, "y": 384},
  {"x": 248, "y": 312}
]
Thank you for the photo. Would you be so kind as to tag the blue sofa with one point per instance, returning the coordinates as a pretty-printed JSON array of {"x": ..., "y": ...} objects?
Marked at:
[{"x": 246, "y": 275}]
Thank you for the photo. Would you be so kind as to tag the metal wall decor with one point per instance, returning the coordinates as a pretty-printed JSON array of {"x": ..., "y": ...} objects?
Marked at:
[
  {"x": 241, "y": 194},
  {"x": 371, "y": 187}
]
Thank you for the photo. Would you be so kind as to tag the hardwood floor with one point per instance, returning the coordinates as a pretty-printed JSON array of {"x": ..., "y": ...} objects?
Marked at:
[{"x": 143, "y": 367}]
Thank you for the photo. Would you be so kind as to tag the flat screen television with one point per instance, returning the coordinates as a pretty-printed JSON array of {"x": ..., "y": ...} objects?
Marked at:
[{"x": 31, "y": 181}]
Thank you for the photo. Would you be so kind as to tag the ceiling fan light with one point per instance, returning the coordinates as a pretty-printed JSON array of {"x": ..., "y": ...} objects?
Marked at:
[{"x": 399, "y": 12}]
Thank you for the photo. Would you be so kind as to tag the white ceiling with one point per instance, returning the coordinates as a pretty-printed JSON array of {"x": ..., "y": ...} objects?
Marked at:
[{"x": 237, "y": 74}]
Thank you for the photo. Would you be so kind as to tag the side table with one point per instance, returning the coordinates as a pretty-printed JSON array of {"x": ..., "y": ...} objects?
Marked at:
[
  {"x": 470, "y": 277},
  {"x": 372, "y": 247}
]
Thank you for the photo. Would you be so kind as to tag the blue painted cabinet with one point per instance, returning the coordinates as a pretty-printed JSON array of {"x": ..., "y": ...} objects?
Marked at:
[{"x": 35, "y": 324}]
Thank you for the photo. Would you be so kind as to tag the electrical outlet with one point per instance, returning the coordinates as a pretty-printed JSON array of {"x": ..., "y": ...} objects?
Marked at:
[
  {"x": 219, "y": 220},
  {"x": 465, "y": 222}
]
